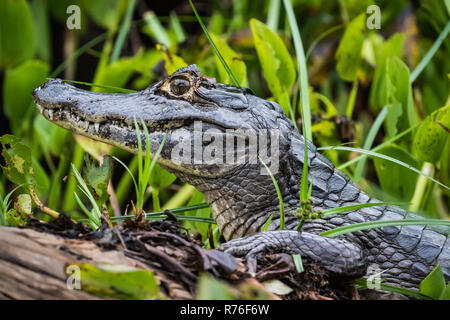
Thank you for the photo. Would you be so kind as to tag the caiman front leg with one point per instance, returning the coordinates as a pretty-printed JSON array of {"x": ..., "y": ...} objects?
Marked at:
[{"x": 335, "y": 255}]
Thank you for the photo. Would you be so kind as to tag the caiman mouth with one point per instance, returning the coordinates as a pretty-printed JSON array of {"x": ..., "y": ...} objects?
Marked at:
[{"x": 111, "y": 118}]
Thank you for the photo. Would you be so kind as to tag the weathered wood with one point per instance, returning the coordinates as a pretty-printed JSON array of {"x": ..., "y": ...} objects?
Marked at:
[{"x": 32, "y": 265}]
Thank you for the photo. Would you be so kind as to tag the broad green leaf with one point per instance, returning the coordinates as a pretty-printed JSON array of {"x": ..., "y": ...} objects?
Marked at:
[
  {"x": 234, "y": 60},
  {"x": 23, "y": 204},
  {"x": 106, "y": 13},
  {"x": 434, "y": 283},
  {"x": 398, "y": 90},
  {"x": 276, "y": 62},
  {"x": 394, "y": 112},
  {"x": 431, "y": 136},
  {"x": 396, "y": 180},
  {"x": 115, "y": 74},
  {"x": 48, "y": 136},
  {"x": 116, "y": 281},
  {"x": 445, "y": 295},
  {"x": 210, "y": 288},
  {"x": 58, "y": 9},
  {"x": 161, "y": 178},
  {"x": 392, "y": 47},
  {"x": 16, "y": 33},
  {"x": 41, "y": 29},
  {"x": 348, "y": 55},
  {"x": 15, "y": 218},
  {"x": 202, "y": 228},
  {"x": 172, "y": 61},
  {"x": 97, "y": 177},
  {"x": 41, "y": 177},
  {"x": 17, "y": 155},
  {"x": 17, "y": 88}
]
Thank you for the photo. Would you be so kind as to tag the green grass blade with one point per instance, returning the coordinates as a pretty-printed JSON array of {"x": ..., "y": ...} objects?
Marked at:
[
  {"x": 121, "y": 90},
  {"x": 303, "y": 75},
  {"x": 369, "y": 141},
  {"x": 77, "y": 53},
  {"x": 126, "y": 23},
  {"x": 383, "y": 223},
  {"x": 129, "y": 172},
  {"x": 382, "y": 156},
  {"x": 274, "y": 15},
  {"x": 155, "y": 213},
  {"x": 222, "y": 60},
  {"x": 304, "y": 180},
  {"x": 280, "y": 197},
  {"x": 266, "y": 225},
  {"x": 380, "y": 146},
  {"x": 177, "y": 27},
  {"x": 386, "y": 287},
  {"x": 339, "y": 210},
  {"x": 426, "y": 59},
  {"x": 298, "y": 262},
  {"x": 157, "y": 29},
  {"x": 320, "y": 37},
  {"x": 96, "y": 213}
]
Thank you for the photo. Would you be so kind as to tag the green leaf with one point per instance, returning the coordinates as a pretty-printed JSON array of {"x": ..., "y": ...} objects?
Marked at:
[
  {"x": 172, "y": 61},
  {"x": 339, "y": 210},
  {"x": 234, "y": 60},
  {"x": 48, "y": 136},
  {"x": 41, "y": 28},
  {"x": 209, "y": 288},
  {"x": 398, "y": 90},
  {"x": 161, "y": 178},
  {"x": 202, "y": 228},
  {"x": 97, "y": 177},
  {"x": 397, "y": 181},
  {"x": 211, "y": 42},
  {"x": 106, "y": 13},
  {"x": 23, "y": 204},
  {"x": 15, "y": 218},
  {"x": 383, "y": 223},
  {"x": 17, "y": 155},
  {"x": 116, "y": 281},
  {"x": 156, "y": 30},
  {"x": 16, "y": 33},
  {"x": 276, "y": 62},
  {"x": 348, "y": 54},
  {"x": 116, "y": 74},
  {"x": 434, "y": 283},
  {"x": 379, "y": 155},
  {"x": 392, "y": 47},
  {"x": 266, "y": 225},
  {"x": 19, "y": 84},
  {"x": 431, "y": 136},
  {"x": 303, "y": 72},
  {"x": 280, "y": 196},
  {"x": 298, "y": 262}
]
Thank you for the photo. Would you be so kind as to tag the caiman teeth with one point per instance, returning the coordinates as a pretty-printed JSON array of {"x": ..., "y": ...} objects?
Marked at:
[{"x": 96, "y": 126}]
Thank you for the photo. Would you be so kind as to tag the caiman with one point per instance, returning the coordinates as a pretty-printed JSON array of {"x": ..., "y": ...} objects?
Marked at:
[{"x": 240, "y": 195}]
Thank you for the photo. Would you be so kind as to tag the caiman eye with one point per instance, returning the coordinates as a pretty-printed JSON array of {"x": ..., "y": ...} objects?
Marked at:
[{"x": 179, "y": 86}]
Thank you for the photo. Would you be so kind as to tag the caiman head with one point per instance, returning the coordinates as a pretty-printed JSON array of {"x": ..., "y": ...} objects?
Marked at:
[{"x": 197, "y": 116}]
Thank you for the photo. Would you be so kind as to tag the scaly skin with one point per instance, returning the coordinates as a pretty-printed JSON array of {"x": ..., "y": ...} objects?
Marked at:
[{"x": 241, "y": 198}]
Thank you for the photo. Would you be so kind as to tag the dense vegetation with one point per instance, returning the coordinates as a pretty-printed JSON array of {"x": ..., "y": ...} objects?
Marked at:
[{"x": 347, "y": 87}]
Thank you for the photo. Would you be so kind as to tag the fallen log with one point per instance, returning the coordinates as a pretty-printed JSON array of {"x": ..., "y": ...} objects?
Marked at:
[{"x": 32, "y": 265}]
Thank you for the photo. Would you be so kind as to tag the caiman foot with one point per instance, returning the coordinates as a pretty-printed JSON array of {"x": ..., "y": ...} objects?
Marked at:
[{"x": 335, "y": 255}]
